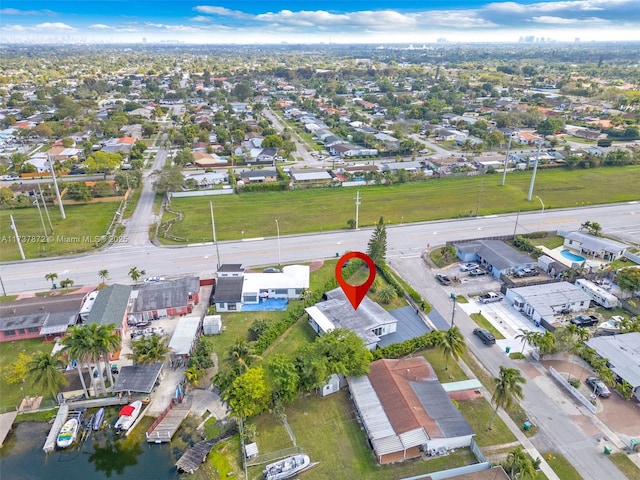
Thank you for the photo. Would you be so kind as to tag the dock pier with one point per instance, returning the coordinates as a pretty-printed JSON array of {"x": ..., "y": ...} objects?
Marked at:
[{"x": 61, "y": 417}]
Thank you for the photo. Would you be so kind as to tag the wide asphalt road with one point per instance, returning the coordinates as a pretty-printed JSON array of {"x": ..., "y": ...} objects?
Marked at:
[{"x": 620, "y": 220}]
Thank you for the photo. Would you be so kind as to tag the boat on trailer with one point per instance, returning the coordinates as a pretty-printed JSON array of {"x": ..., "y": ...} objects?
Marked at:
[{"x": 287, "y": 467}]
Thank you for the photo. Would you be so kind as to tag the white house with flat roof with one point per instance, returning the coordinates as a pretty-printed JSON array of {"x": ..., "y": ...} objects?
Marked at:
[
  {"x": 543, "y": 302},
  {"x": 290, "y": 283}
]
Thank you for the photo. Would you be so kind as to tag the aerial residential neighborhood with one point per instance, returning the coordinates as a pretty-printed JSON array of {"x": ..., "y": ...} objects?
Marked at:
[{"x": 179, "y": 191}]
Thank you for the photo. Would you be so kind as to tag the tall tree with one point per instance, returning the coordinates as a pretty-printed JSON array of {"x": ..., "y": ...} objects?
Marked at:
[
  {"x": 508, "y": 388},
  {"x": 78, "y": 350},
  {"x": 526, "y": 336},
  {"x": 249, "y": 394},
  {"x": 628, "y": 279},
  {"x": 45, "y": 370},
  {"x": 241, "y": 356},
  {"x": 107, "y": 341},
  {"x": 377, "y": 246},
  {"x": 519, "y": 465},
  {"x": 283, "y": 378},
  {"x": 452, "y": 345},
  {"x": 103, "y": 274}
]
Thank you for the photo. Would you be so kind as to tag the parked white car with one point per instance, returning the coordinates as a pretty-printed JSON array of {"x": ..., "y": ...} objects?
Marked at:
[{"x": 467, "y": 267}]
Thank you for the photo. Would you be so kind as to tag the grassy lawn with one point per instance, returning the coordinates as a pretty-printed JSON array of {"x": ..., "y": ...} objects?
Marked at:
[
  {"x": 344, "y": 452},
  {"x": 550, "y": 242},
  {"x": 10, "y": 394},
  {"x": 313, "y": 210},
  {"x": 562, "y": 467},
  {"x": 73, "y": 235},
  {"x": 8, "y": 298},
  {"x": 435, "y": 357},
  {"x": 478, "y": 413},
  {"x": 625, "y": 465},
  {"x": 486, "y": 324},
  {"x": 439, "y": 260}
]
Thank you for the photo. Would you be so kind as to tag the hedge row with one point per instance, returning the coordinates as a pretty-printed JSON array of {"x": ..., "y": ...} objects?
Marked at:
[
  {"x": 403, "y": 288},
  {"x": 407, "y": 347},
  {"x": 264, "y": 187}
]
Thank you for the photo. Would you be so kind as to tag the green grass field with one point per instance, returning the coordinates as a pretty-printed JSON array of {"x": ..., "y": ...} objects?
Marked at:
[
  {"x": 77, "y": 233},
  {"x": 314, "y": 210}
]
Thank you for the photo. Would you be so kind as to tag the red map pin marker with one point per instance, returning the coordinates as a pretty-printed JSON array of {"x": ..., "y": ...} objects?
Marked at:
[{"x": 355, "y": 293}]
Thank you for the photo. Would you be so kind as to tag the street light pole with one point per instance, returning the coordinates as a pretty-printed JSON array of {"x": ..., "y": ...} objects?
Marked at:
[
  {"x": 453, "y": 312},
  {"x": 535, "y": 169},
  {"x": 278, "y": 233},
  {"x": 506, "y": 160},
  {"x": 542, "y": 213}
]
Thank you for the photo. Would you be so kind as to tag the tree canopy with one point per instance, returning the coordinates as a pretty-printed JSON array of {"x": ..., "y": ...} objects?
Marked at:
[{"x": 377, "y": 246}]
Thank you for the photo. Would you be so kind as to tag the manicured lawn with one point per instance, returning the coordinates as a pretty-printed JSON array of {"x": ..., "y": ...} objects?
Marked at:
[
  {"x": 625, "y": 465},
  {"x": 478, "y": 413},
  {"x": 328, "y": 431},
  {"x": 563, "y": 468},
  {"x": 313, "y": 210},
  {"x": 436, "y": 358},
  {"x": 77, "y": 233},
  {"x": 486, "y": 324},
  {"x": 550, "y": 242},
  {"x": 10, "y": 394}
]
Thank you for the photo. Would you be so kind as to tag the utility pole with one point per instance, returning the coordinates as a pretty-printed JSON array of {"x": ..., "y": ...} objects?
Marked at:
[
  {"x": 535, "y": 169},
  {"x": 15, "y": 230},
  {"x": 215, "y": 240},
  {"x": 44, "y": 229},
  {"x": 516, "y": 227},
  {"x": 46, "y": 210},
  {"x": 506, "y": 160},
  {"x": 479, "y": 195},
  {"x": 453, "y": 312},
  {"x": 55, "y": 184},
  {"x": 278, "y": 233},
  {"x": 357, "y": 207}
]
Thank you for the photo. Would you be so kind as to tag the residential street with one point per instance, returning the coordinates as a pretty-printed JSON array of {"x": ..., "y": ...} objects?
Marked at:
[{"x": 544, "y": 402}]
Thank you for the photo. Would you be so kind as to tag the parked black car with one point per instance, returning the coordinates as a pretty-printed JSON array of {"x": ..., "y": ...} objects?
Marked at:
[
  {"x": 585, "y": 320},
  {"x": 443, "y": 279},
  {"x": 485, "y": 335},
  {"x": 598, "y": 387}
]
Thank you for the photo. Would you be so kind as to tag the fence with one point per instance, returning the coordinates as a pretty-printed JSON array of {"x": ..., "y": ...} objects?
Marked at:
[
  {"x": 573, "y": 391},
  {"x": 201, "y": 193}
]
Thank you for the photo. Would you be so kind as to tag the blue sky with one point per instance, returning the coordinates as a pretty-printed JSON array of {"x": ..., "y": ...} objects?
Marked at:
[{"x": 306, "y": 21}]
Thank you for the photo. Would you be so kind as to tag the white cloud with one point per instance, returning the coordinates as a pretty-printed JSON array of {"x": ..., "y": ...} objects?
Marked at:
[
  {"x": 566, "y": 21},
  {"x": 53, "y": 26},
  {"x": 571, "y": 5},
  {"x": 100, "y": 26},
  {"x": 15, "y": 11},
  {"x": 201, "y": 18},
  {"x": 224, "y": 12}
]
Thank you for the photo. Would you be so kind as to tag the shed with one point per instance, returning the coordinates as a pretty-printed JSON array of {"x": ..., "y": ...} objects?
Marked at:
[
  {"x": 332, "y": 386},
  {"x": 212, "y": 325},
  {"x": 251, "y": 450},
  {"x": 138, "y": 378},
  {"x": 184, "y": 337}
]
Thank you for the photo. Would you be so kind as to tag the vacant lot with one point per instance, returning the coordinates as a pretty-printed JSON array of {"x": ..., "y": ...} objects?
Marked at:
[
  {"x": 301, "y": 211},
  {"x": 77, "y": 233}
]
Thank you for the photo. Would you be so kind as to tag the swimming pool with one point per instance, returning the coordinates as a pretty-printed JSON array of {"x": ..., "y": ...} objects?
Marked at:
[{"x": 566, "y": 253}]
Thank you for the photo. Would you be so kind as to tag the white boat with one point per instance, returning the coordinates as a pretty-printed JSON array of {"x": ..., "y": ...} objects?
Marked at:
[
  {"x": 128, "y": 415},
  {"x": 287, "y": 467},
  {"x": 611, "y": 326},
  {"x": 68, "y": 433}
]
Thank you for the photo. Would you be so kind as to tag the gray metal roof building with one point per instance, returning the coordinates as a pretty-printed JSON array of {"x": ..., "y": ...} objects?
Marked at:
[
  {"x": 549, "y": 299},
  {"x": 138, "y": 378},
  {"x": 495, "y": 253},
  {"x": 185, "y": 335},
  {"x": 110, "y": 306},
  {"x": 228, "y": 290},
  {"x": 623, "y": 354},
  {"x": 164, "y": 294}
]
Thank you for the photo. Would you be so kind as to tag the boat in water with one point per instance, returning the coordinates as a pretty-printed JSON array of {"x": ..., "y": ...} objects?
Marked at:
[
  {"x": 68, "y": 433},
  {"x": 128, "y": 415},
  {"x": 97, "y": 419},
  {"x": 287, "y": 467}
]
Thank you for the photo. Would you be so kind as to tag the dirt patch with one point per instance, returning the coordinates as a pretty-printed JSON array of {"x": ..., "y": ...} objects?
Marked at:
[
  {"x": 316, "y": 265},
  {"x": 465, "y": 395}
]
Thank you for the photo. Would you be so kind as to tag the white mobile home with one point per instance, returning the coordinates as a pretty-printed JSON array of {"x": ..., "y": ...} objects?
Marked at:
[{"x": 598, "y": 294}]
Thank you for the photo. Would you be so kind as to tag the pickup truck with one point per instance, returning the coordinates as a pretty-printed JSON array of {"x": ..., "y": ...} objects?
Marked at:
[
  {"x": 477, "y": 272},
  {"x": 585, "y": 320},
  {"x": 490, "y": 297},
  {"x": 443, "y": 279}
]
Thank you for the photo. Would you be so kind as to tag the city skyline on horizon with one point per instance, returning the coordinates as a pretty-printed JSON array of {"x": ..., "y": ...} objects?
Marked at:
[{"x": 274, "y": 22}]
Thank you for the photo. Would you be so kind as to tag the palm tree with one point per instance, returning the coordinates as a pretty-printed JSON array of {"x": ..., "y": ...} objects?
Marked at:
[
  {"x": 104, "y": 275},
  {"x": 150, "y": 349},
  {"x": 107, "y": 341},
  {"x": 66, "y": 283},
  {"x": 135, "y": 274},
  {"x": 452, "y": 345},
  {"x": 78, "y": 351},
  {"x": 526, "y": 337},
  {"x": 508, "y": 388},
  {"x": 387, "y": 294},
  {"x": 519, "y": 465},
  {"x": 241, "y": 355},
  {"x": 45, "y": 370},
  {"x": 51, "y": 277}
]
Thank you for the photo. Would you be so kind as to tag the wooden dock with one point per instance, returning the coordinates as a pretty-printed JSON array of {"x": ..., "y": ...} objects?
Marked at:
[
  {"x": 166, "y": 425},
  {"x": 6, "y": 422},
  {"x": 61, "y": 417},
  {"x": 191, "y": 460}
]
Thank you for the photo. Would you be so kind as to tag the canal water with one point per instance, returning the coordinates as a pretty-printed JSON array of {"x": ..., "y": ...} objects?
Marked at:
[{"x": 103, "y": 455}]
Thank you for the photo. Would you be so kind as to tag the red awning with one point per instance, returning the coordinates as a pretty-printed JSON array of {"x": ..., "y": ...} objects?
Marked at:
[{"x": 127, "y": 410}]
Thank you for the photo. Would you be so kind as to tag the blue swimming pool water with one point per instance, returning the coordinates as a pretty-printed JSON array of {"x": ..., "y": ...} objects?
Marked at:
[
  {"x": 268, "y": 305},
  {"x": 572, "y": 256}
]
